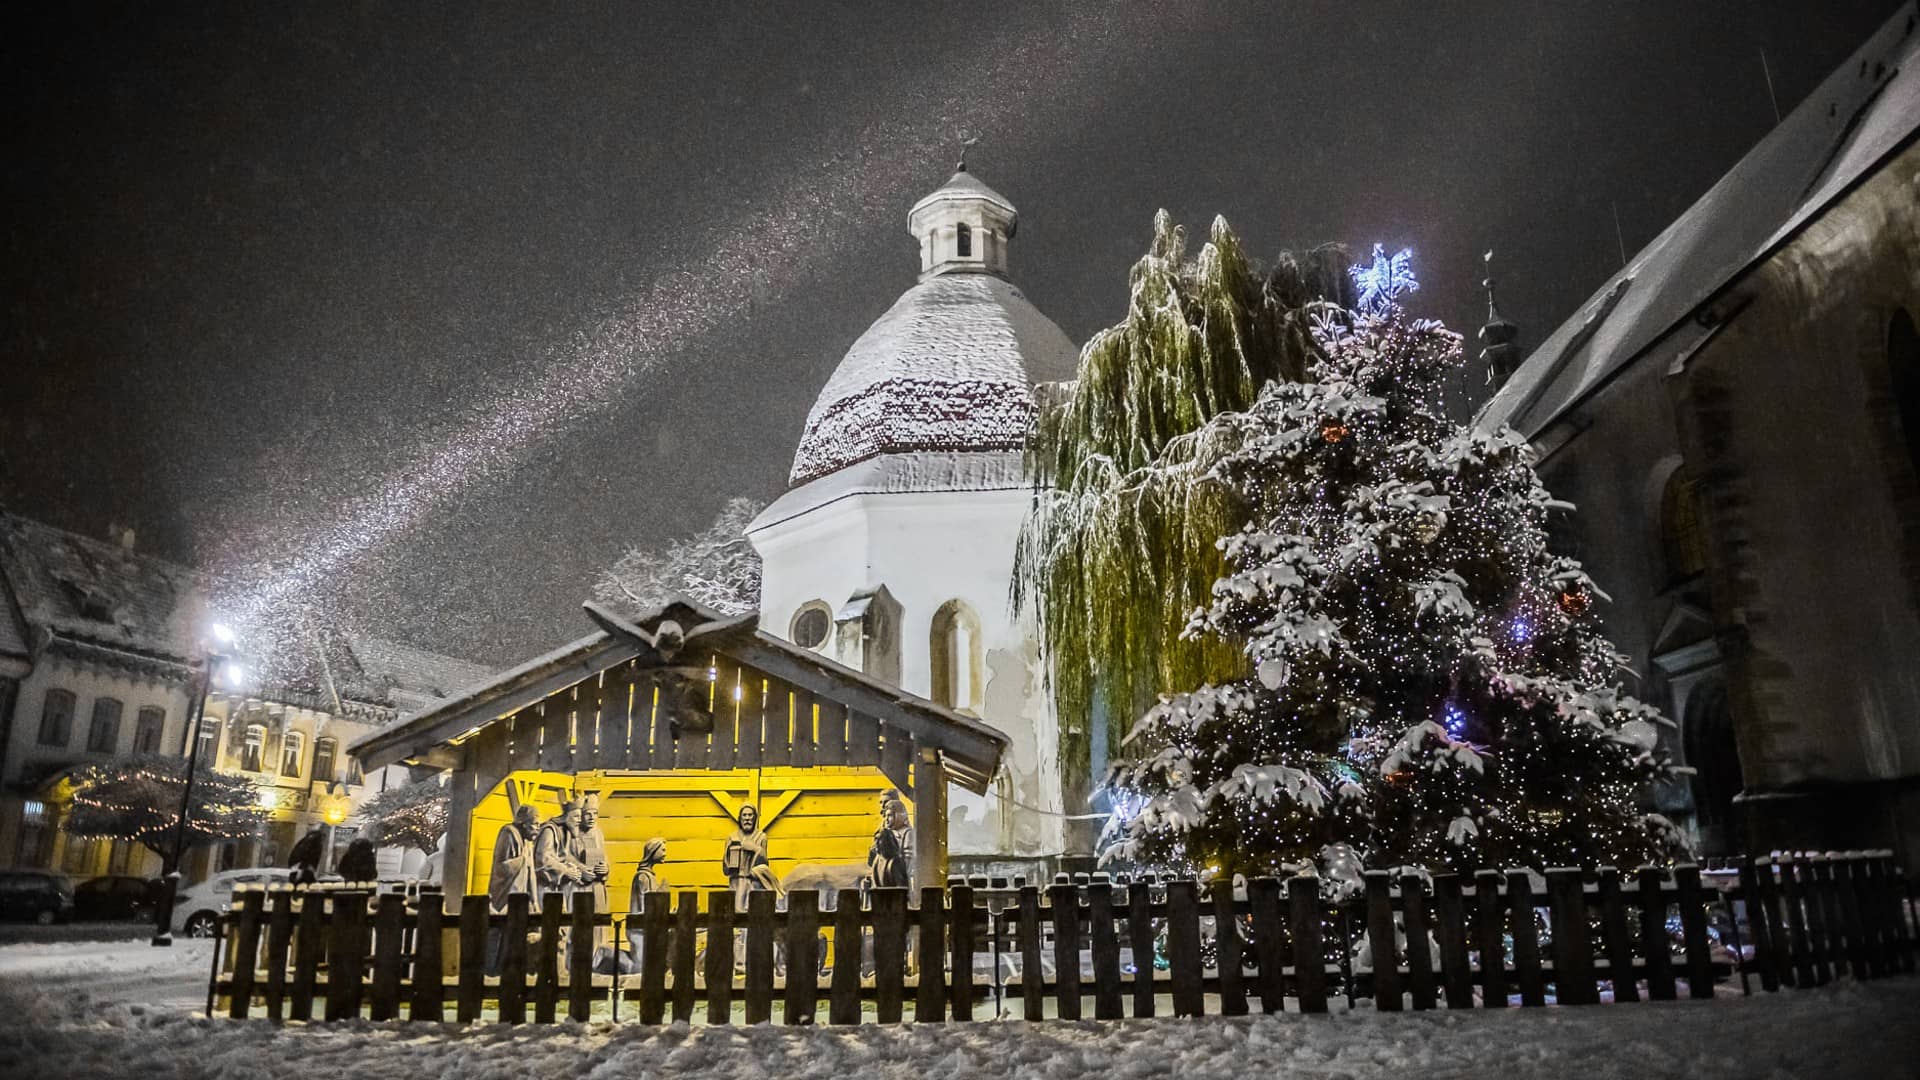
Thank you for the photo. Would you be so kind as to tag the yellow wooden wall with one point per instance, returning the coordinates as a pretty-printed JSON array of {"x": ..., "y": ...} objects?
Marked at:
[{"x": 823, "y": 815}]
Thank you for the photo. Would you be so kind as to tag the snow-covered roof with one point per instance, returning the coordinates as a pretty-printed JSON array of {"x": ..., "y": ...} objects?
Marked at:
[
  {"x": 950, "y": 367},
  {"x": 962, "y": 185},
  {"x": 891, "y": 474},
  {"x": 131, "y": 605},
  {"x": 99, "y": 603},
  {"x": 1862, "y": 114},
  {"x": 414, "y": 678}
]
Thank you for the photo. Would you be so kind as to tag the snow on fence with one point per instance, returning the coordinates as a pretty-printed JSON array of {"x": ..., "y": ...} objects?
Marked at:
[{"x": 1136, "y": 948}]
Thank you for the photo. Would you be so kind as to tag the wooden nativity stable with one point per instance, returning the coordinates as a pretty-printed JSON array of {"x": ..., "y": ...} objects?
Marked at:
[{"x": 677, "y": 720}]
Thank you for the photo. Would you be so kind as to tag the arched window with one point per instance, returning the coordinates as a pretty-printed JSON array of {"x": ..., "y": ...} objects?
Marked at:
[
  {"x": 963, "y": 240},
  {"x": 811, "y": 625},
  {"x": 56, "y": 718},
  {"x": 1903, "y": 364},
  {"x": 954, "y": 649},
  {"x": 1682, "y": 534},
  {"x": 291, "y": 749},
  {"x": 323, "y": 760},
  {"x": 103, "y": 733},
  {"x": 251, "y": 748}
]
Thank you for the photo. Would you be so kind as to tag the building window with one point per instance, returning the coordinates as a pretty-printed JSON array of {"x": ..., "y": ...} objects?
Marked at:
[
  {"x": 250, "y": 748},
  {"x": 1903, "y": 362},
  {"x": 963, "y": 238},
  {"x": 209, "y": 743},
  {"x": 103, "y": 733},
  {"x": 323, "y": 760},
  {"x": 954, "y": 650},
  {"x": 147, "y": 726},
  {"x": 56, "y": 718},
  {"x": 354, "y": 775},
  {"x": 290, "y": 751},
  {"x": 811, "y": 625},
  {"x": 1682, "y": 533}
]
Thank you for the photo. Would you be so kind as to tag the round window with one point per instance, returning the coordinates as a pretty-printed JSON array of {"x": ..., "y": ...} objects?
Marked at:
[{"x": 811, "y": 625}]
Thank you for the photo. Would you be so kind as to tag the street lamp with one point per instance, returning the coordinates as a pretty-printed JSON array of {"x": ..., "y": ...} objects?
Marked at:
[{"x": 231, "y": 674}]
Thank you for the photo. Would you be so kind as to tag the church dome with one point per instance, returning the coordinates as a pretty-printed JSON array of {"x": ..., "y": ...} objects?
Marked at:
[{"x": 951, "y": 366}]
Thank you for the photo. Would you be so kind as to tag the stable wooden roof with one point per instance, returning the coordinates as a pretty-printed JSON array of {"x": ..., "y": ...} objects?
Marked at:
[{"x": 571, "y": 710}]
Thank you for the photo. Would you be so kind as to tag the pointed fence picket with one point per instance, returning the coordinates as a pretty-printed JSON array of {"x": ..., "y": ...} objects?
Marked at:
[{"x": 1119, "y": 946}]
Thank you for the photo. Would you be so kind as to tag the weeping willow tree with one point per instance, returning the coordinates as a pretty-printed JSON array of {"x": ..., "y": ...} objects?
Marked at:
[{"x": 1120, "y": 547}]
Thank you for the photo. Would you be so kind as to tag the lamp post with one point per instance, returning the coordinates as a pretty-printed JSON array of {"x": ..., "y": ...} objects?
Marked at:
[{"x": 163, "y": 911}]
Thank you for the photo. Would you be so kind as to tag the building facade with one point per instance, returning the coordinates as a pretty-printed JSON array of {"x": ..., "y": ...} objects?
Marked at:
[
  {"x": 96, "y": 646},
  {"x": 892, "y": 551},
  {"x": 1736, "y": 415}
]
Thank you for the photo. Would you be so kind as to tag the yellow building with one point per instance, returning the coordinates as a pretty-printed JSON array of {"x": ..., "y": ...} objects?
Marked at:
[{"x": 676, "y": 722}]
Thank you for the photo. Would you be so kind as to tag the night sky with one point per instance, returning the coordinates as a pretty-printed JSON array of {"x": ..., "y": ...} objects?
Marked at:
[{"x": 420, "y": 317}]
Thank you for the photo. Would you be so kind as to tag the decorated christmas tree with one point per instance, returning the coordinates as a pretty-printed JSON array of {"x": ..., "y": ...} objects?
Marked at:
[
  {"x": 1428, "y": 682},
  {"x": 1120, "y": 544},
  {"x": 138, "y": 800}
]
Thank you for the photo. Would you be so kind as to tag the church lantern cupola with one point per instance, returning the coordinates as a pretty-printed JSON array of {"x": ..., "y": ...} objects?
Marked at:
[
  {"x": 962, "y": 227},
  {"x": 1499, "y": 339}
]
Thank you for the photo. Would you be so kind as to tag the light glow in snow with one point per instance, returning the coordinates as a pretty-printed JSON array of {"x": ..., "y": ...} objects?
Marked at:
[{"x": 1020, "y": 86}]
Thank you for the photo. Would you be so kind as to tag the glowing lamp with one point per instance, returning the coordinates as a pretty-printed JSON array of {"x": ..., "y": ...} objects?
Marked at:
[
  {"x": 222, "y": 633},
  {"x": 335, "y": 814},
  {"x": 269, "y": 799}
]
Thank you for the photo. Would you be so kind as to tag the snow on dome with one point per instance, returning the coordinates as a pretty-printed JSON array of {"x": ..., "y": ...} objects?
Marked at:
[{"x": 950, "y": 367}]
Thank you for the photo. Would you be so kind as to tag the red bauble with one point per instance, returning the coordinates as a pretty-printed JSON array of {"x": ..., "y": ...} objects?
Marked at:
[{"x": 1575, "y": 601}]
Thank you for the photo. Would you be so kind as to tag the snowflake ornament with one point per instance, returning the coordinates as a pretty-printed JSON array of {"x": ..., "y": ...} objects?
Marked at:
[{"x": 1383, "y": 281}]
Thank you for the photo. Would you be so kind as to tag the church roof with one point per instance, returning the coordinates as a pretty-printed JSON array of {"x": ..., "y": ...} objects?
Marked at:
[
  {"x": 950, "y": 367},
  {"x": 1861, "y": 115},
  {"x": 963, "y": 184}
]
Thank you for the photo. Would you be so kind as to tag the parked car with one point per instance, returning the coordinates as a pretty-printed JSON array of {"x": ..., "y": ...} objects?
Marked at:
[
  {"x": 35, "y": 896},
  {"x": 199, "y": 907},
  {"x": 115, "y": 896}
]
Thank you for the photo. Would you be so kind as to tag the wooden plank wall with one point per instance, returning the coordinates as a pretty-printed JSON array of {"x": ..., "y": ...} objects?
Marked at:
[{"x": 389, "y": 957}]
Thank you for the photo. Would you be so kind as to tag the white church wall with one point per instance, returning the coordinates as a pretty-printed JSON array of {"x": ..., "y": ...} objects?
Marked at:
[{"x": 929, "y": 548}]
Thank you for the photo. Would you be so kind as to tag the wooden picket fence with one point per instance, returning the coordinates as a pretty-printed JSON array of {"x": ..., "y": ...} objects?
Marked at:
[{"x": 1139, "y": 947}]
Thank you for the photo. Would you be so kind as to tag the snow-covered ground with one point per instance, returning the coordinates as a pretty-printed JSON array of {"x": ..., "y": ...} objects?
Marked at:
[{"x": 109, "y": 1010}]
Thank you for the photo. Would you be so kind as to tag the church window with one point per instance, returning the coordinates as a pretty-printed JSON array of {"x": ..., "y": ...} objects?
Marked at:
[
  {"x": 1682, "y": 534},
  {"x": 1903, "y": 363},
  {"x": 811, "y": 625},
  {"x": 56, "y": 718},
  {"x": 103, "y": 734},
  {"x": 963, "y": 237},
  {"x": 954, "y": 647}
]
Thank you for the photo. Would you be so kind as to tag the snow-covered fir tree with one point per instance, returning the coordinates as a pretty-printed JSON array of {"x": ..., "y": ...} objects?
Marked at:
[
  {"x": 1429, "y": 685},
  {"x": 715, "y": 567}
]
